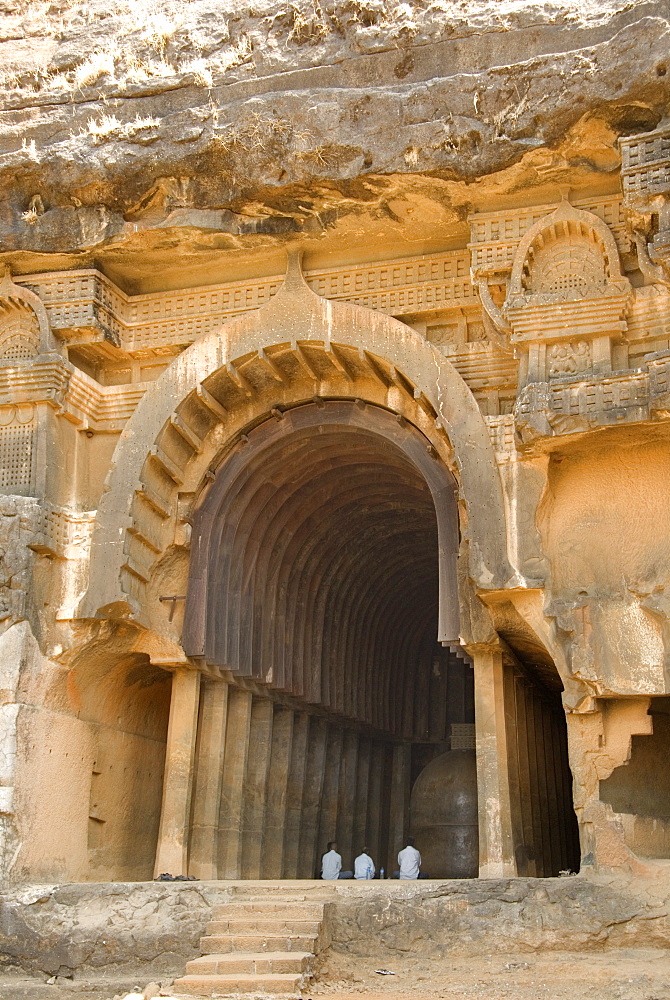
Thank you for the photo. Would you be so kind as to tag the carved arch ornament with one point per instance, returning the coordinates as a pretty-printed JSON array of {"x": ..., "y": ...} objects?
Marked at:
[
  {"x": 568, "y": 257},
  {"x": 24, "y": 325},
  {"x": 168, "y": 445},
  {"x": 570, "y": 254}
]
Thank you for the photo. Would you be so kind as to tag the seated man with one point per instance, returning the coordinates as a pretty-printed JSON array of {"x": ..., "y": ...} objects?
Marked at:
[
  {"x": 409, "y": 860},
  {"x": 364, "y": 866},
  {"x": 331, "y": 864}
]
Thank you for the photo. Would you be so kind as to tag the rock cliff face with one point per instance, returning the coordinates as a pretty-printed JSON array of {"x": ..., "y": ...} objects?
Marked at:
[
  {"x": 209, "y": 127},
  {"x": 481, "y": 196}
]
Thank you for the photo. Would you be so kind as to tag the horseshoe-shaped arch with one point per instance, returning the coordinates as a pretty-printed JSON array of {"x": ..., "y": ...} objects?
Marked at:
[{"x": 294, "y": 321}]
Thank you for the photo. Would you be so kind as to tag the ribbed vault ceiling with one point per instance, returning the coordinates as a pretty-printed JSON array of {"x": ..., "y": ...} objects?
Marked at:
[{"x": 322, "y": 575}]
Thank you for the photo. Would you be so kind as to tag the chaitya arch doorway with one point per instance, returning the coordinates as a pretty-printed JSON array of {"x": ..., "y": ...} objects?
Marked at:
[
  {"x": 323, "y": 585},
  {"x": 322, "y": 607}
]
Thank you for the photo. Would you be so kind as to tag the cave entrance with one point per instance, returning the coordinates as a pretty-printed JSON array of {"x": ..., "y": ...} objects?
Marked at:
[
  {"x": 323, "y": 588},
  {"x": 322, "y": 591}
]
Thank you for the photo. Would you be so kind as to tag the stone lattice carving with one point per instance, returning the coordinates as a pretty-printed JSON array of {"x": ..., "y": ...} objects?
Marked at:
[
  {"x": 19, "y": 334},
  {"x": 567, "y": 256},
  {"x": 17, "y": 451},
  {"x": 565, "y": 263}
]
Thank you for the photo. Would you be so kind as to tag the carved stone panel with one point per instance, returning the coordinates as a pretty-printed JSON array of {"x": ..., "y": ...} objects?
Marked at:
[
  {"x": 645, "y": 177},
  {"x": 17, "y": 448},
  {"x": 567, "y": 297},
  {"x": 569, "y": 359}
]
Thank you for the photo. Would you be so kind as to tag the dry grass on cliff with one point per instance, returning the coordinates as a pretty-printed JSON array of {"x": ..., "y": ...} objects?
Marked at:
[{"x": 79, "y": 46}]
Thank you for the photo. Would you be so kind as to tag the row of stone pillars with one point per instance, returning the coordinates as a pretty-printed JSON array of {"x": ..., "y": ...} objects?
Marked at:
[{"x": 198, "y": 799}]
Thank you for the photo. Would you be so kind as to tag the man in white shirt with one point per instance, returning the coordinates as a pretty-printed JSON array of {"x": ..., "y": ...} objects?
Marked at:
[
  {"x": 409, "y": 860},
  {"x": 331, "y": 864},
  {"x": 364, "y": 866}
]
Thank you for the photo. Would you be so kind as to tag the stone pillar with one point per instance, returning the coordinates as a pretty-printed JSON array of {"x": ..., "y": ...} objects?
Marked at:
[
  {"x": 331, "y": 787},
  {"x": 399, "y": 811},
  {"x": 543, "y": 793},
  {"x": 256, "y": 785},
  {"x": 362, "y": 797},
  {"x": 232, "y": 783},
  {"x": 203, "y": 859},
  {"x": 311, "y": 803},
  {"x": 376, "y": 803},
  {"x": 525, "y": 782},
  {"x": 347, "y": 798},
  {"x": 496, "y": 848},
  {"x": 295, "y": 795},
  {"x": 272, "y": 858},
  {"x": 172, "y": 849},
  {"x": 514, "y": 737}
]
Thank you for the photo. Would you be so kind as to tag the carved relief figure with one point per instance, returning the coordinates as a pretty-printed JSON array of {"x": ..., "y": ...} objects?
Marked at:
[
  {"x": 569, "y": 359},
  {"x": 442, "y": 334},
  {"x": 477, "y": 333}
]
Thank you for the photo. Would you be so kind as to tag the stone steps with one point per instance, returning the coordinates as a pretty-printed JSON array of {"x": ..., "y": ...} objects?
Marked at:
[
  {"x": 251, "y": 943},
  {"x": 254, "y": 963},
  {"x": 256, "y": 943},
  {"x": 205, "y": 986},
  {"x": 263, "y": 925},
  {"x": 254, "y": 907}
]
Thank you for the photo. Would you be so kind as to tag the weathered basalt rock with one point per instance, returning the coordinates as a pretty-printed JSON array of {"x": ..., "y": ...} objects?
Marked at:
[
  {"x": 480, "y": 917},
  {"x": 281, "y": 121}
]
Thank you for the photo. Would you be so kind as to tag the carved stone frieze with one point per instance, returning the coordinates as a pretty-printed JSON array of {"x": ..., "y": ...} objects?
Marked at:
[
  {"x": 576, "y": 404},
  {"x": 85, "y": 304}
]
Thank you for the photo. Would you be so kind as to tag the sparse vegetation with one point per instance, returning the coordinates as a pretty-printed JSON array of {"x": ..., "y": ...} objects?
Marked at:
[
  {"x": 30, "y": 148},
  {"x": 152, "y": 39},
  {"x": 259, "y": 131},
  {"x": 106, "y": 126},
  {"x": 97, "y": 65}
]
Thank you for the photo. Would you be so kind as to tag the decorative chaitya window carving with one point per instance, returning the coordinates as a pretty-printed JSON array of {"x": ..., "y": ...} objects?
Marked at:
[
  {"x": 24, "y": 325},
  {"x": 19, "y": 334},
  {"x": 567, "y": 299},
  {"x": 573, "y": 264}
]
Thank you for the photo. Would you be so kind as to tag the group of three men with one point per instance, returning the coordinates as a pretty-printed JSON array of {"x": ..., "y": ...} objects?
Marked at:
[{"x": 409, "y": 862}]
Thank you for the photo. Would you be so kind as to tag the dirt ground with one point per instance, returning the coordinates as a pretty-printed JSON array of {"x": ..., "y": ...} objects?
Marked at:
[
  {"x": 629, "y": 974},
  {"x": 616, "y": 975}
]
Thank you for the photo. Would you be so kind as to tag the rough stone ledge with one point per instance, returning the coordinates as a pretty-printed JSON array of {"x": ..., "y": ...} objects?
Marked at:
[
  {"x": 486, "y": 916},
  {"x": 133, "y": 926},
  {"x": 148, "y": 927}
]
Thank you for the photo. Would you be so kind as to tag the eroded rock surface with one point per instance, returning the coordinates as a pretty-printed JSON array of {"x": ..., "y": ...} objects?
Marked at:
[{"x": 286, "y": 119}]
